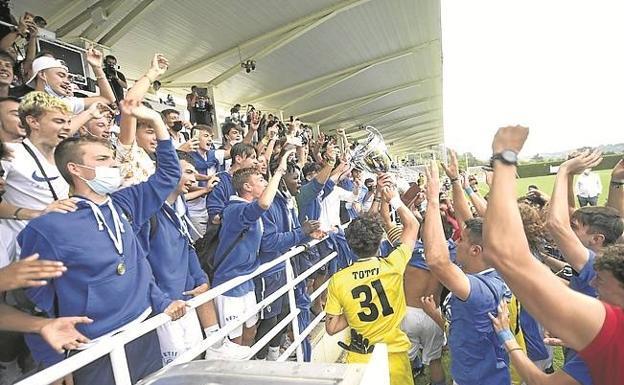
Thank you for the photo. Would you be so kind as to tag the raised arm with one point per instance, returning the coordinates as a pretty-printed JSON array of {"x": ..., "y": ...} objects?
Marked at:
[
  {"x": 554, "y": 305},
  {"x": 128, "y": 122},
  {"x": 107, "y": 96},
  {"x": 462, "y": 210},
  {"x": 390, "y": 194},
  {"x": 558, "y": 222},
  {"x": 384, "y": 211},
  {"x": 31, "y": 50},
  {"x": 436, "y": 248},
  {"x": 93, "y": 112},
  {"x": 531, "y": 374},
  {"x": 477, "y": 200},
  {"x": 266, "y": 199},
  {"x": 145, "y": 199},
  {"x": 253, "y": 127},
  {"x": 616, "y": 188},
  {"x": 329, "y": 160}
]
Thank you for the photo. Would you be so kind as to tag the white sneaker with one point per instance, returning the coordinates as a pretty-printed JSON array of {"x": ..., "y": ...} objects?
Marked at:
[
  {"x": 273, "y": 354},
  {"x": 228, "y": 351},
  {"x": 9, "y": 372}
]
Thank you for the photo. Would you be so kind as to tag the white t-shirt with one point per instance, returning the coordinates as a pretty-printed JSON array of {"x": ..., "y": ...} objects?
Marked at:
[
  {"x": 180, "y": 140},
  {"x": 588, "y": 186},
  {"x": 197, "y": 206},
  {"x": 26, "y": 187},
  {"x": 330, "y": 207},
  {"x": 77, "y": 104}
]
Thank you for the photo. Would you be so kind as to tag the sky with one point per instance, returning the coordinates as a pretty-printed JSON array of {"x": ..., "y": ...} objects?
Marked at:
[{"x": 555, "y": 66}]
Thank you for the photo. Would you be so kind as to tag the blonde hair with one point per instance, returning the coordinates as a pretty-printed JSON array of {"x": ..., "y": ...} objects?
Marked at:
[{"x": 37, "y": 103}]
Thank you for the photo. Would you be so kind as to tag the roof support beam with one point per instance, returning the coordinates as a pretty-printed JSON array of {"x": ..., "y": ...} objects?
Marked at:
[
  {"x": 287, "y": 38},
  {"x": 345, "y": 72},
  {"x": 81, "y": 18},
  {"x": 371, "y": 116},
  {"x": 68, "y": 8},
  {"x": 417, "y": 144},
  {"x": 429, "y": 133},
  {"x": 419, "y": 147},
  {"x": 357, "y": 100},
  {"x": 94, "y": 30},
  {"x": 368, "y": 101},
  {"x": 408, "y": 132},
  {"x": 206, "y": 60},
  {"x": 354, "y": 72},
  {"x": 126, "y": 24},
  {"x": 388, "y": 126}
]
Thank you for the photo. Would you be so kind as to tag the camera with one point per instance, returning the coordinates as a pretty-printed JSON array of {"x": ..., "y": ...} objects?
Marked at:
[{"x": 110, "y": 70}]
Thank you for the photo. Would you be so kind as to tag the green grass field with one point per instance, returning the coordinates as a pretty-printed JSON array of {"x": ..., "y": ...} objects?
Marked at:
[
  {"x": 546, "y": 183},
  {"x": 423, "y": 379}
]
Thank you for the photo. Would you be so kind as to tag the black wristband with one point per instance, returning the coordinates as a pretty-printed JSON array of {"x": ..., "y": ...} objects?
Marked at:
[{"x": 453, "y": 180}]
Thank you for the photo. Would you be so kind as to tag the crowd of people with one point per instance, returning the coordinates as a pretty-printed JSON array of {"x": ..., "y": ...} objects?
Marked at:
[{"x": 107, "y": 220}]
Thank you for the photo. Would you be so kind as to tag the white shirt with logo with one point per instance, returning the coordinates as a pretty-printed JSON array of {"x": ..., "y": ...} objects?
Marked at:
[{"x": 26, "y": 187}]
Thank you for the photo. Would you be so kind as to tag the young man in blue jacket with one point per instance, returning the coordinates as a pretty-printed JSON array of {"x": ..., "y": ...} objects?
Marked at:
[
  {"x": 282, "y": 230},
  {"x": 108, "y": 277},
  {"x": 243, "y": 156},
  {"x": 208, "y": 161},
  {"x": 178, "y": 273},
  {"x": 239, "y": 244},
  {"x": 476, "y": 290}
]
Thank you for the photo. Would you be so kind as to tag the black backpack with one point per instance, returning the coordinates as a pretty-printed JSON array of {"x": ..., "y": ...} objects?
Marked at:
[{"x": 206, "y": 248}]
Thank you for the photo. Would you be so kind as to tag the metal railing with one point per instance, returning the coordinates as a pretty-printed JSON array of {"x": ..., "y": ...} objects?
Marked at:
[{"x": 115, "y": 345}]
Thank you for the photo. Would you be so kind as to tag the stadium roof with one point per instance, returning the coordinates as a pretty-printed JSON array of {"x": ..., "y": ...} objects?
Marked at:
[{"x": 334, "y": 63}]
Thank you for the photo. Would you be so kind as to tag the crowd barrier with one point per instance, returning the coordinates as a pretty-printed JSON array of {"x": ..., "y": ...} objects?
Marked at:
[{"x": 114, "y": 345}]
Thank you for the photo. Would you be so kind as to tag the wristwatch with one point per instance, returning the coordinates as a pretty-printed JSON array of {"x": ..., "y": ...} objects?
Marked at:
[{"x": 508, "y": 157}]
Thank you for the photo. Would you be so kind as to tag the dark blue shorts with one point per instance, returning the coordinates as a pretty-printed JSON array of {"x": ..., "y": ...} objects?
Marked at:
[{"x": 267, "y": 285}]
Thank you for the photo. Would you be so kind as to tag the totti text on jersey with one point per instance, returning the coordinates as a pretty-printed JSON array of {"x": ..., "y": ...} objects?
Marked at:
[{"x": 365, "y": 273}]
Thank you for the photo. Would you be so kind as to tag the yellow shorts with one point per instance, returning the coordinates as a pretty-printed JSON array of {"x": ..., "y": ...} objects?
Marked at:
[{"x": 399, "y": 364}]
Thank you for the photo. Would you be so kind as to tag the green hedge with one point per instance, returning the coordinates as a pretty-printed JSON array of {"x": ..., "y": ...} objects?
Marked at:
[{"x": 540, "y": 169}]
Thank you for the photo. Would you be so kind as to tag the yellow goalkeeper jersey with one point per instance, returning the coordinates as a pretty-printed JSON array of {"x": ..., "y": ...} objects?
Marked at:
[{"x": 370, "y": 295}]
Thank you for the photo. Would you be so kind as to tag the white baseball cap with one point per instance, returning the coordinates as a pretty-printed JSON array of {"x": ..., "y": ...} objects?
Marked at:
[{"x": 44, "y": 63}]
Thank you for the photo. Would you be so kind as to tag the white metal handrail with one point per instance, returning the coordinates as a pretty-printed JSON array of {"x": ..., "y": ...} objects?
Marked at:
[{"x": 115, "y": 345}]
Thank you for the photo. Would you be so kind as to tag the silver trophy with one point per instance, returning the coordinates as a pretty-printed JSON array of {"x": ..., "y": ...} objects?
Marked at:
[{"x": 372, "y": 155}]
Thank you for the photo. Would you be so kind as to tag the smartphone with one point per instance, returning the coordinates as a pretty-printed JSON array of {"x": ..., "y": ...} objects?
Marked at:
[
  {"x": 177, "y": 125},
  {"x": 196, "y": 134}
]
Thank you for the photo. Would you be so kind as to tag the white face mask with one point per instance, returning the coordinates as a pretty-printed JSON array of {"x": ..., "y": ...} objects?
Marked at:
[
  {"x": 107, "y": 179},
  {"x": 50, "y": 91}
]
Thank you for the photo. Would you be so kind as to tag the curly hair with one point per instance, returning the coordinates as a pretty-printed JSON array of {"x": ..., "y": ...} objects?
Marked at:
[
  {"x": 533, "y": 225},
  {"x": 37, "y": 103},
  {"x": 612, "y": 260},
  {"x": 364, "y": 235}
]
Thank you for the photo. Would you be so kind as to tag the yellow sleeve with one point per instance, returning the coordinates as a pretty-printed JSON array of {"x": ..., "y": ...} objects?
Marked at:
[
  {"x": 333, "y": 306},
  {"x": 400, "y": 257},
  {"x": 514, "y": 313}
]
